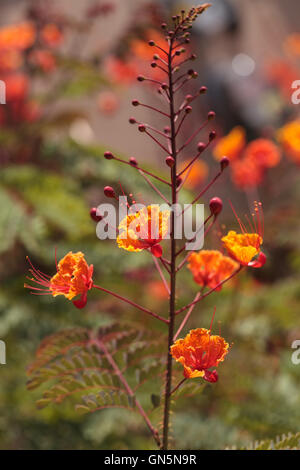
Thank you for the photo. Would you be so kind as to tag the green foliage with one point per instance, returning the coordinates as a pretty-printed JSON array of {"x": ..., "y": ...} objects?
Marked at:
[
  {"x": 284, "y": 442},
  {"x": 72, "y": 365}
]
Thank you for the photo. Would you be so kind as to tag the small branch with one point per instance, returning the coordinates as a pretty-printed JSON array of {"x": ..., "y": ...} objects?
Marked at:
[
  {"x": 186, "y": 318},
  {"x": 161, "y": 274},
  {"x": 158, "y": 178},
  {"x": 203, "y": 191},
  {"x": 177, "y": 386},
  {"x": 209, "y": 292},
  {"x": 193, "y": 136},
  {"x": 193, "y": 239},
  {"x": 157, "y": 141},
  {"x": 154, "y": 109},
  {"x": 130, "y": 302},
  {"x": 154, "y": 187},
  {"x": 128, "y": 389}
]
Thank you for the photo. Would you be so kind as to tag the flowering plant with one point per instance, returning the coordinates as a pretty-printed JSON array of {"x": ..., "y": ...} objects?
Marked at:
[{"x": 106, "y": 368}]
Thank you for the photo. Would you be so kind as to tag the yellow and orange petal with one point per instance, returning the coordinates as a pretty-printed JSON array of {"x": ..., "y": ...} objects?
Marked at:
[
  {"x": 197, "y": 173},
  {"x": 231, "y": 145},
  {"x": 289, "y": 137},
  {"x": 263, "y": 152},
  {"x": 135, "y": 229},
  {"x": 199, "y": 351},
  {"x": 242, "y": 247},
  {"x": 19, "y": 37},
  {"x": 210, "y": 267},
  {"x": 73, "y": 276}
]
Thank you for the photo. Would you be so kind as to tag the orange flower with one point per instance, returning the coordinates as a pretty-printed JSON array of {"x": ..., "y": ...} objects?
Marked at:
[
  {"x": 20, "y": 36},
  {"x": 246, "y": 173},
  {"x": 244, "y": 247},
  {"x": 197, "y": 173},
  {"x": 141, "y": 48},
  {"x": 210, "y": 267},
  {"x": 16, "y": 87},
  {"x": 10, "y": 60},
  {"x": 289, "y": 137},
  {"x": 144, "y": 229},
  {"x": 73, "y": 277},
  {"x": 230, "y": 145},
  {"x": 52, "y": 35},
  {"x": 199, "y": 351},
  {"x": 292, "y": 44},
  {"x": 43, "y": 59},
  {"x": 120, "y": 71},
  {"x": 263, "y": 152}
]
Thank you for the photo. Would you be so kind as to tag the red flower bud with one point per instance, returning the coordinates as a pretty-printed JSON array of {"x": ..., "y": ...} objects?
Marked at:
[
  {"x": 211, "y": 376},
  {"x": 203, "y": 90},
  {"x": 189, "y": 98},
  {"x": 211, "y": 115},
  {"x": 188, "y": 109},
  {"x": 140, "y": 78},
  {"x": 109, "y": 191},
  {"x": 153, "y": 65},
  {"x": 94, "y": 216},
  {"x": 132, "y": 161},
  {"x": 156, "y": 250},
  {"x": 212, "y": 135},
  {"x": 201, "y": 146},
  {"x": 224, "y": 162},
  {"x": 151, "y": 43},
  {"x": 167, "y": 130},
  {"x": 215, "y": 205},
  {"x": 135, "y": 103},
  {"x": 108, "y": 155},
  {"x": 132, "y": 120},
  {"x": 164, "y": 86},
  {"x": 142, "y": 128},
  {"x": 178, "y": 181},
  {"x": 170, "y": 161}
]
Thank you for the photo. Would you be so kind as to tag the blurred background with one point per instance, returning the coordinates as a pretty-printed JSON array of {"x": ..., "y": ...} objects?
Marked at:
[{"x": 70, "y": 71}]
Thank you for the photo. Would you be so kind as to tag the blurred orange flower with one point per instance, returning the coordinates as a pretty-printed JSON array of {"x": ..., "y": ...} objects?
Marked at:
[
  {"x": 19, "y": 37},
  {"x": 199, "y": 351},
  {"x": 16, "y": 86},
  {"x": 144, "y": 229},
  {"x": 246, "y": 173},
  {"x": 292, "y": 44},
  {"x": 210, "y": 267},
  {"x": 121, "y": 72},
  {"x": 73, "y": 277},
  {"x": 10, "y": 60},
  {"x": 44, "y": 59},
  {"x": 141, "y": 48},
  {"x": 52, "y": 35},
  {"x": 289, "y": 137},
  {"x": 108, "y": 102},
  {"x": 197, "y": 173},
  {"x": 263, "y": 152},
  {"x": 230, "y": 145}
]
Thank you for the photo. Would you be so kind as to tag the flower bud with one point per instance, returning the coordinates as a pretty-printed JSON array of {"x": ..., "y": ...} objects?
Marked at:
[
  {"x": 142, "y": 128},
  {"x": 188, "y": 109},
  {"x": 170, "y": 161},
  {"x": 224, "y": 162},
  {"x": 109, "y": 191},
  {"x": 163, "y": 25},
  {"x": 164, "y": 86},
  {"x": 189, "y": 98},
  {"x": 202, "y": 90},
  {"x": 156, "y": 250},
  {"x": 94, "y": 216},
  {"x": 193, "y": 57},
  {"x": 167, "y": 130},
  {"x": 212, "y": 135},
  {"x": 211, "y": 115},
  {"x": 153, "y": 65},
  {"x": 140, "y": 78},
  {"x": 215, "y": 205},
  {"x": 151, "y": 43},
  {"x": 133, "y": 161},
  {"x": 132, "y": 120},
  {"x": 135, "y": 103},
  {"x": 108, "y": 155},
  {"x": 155, "y": 57},
  {"x": 201, "y": 146},
  {"x": 178, "y": 181}
]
